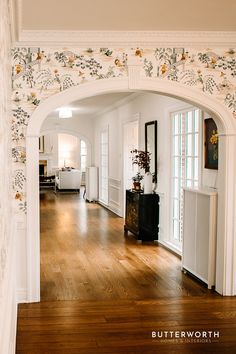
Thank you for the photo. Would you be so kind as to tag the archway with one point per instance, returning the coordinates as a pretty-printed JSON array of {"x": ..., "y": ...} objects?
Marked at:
[
  {"x": 73, "y": 133},
  {"x": 227, "y": 169}
]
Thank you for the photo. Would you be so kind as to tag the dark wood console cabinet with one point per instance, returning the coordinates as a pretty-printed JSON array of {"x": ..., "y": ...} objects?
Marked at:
[{"x": 142, "y": 215}]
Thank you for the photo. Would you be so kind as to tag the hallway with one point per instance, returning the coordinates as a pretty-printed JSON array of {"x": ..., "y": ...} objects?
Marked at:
[
  {"x": 85, "y": 256},
  {"x": 117, "y": 291}
]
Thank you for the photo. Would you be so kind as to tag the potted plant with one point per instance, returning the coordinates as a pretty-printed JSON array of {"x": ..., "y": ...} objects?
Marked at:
[
  {"x": 142, "y": 159},
  {"x": 136, "y": 181}
]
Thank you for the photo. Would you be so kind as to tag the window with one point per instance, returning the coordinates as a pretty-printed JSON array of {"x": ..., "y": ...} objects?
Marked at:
[
  {"x": 83, "y": 155},
  {"x": 185, "y": 164},
  {"x": 104, "y": 166}
]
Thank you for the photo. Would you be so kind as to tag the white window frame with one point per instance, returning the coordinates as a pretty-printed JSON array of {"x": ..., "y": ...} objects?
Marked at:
[
  {"x": 178, "y": 243},
  {"x": 82, "y": 155}
]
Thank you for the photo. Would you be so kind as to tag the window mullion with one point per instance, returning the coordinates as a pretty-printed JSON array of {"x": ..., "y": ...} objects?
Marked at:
[{"x": 183, "y": 164}]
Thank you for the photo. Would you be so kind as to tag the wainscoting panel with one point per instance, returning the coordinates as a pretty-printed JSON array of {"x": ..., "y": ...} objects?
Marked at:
[{"x": 114, "y": 196}]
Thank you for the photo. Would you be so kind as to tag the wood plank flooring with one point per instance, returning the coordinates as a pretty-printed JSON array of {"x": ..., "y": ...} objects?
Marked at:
[
  {"x": 117, "y": 291},
  {"x": 85, "y": 256}
]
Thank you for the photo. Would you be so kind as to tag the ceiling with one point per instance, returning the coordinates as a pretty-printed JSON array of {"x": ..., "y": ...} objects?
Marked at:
[
  {"x": 128, "y": 15},
  {"x": 92, "y": 106}
]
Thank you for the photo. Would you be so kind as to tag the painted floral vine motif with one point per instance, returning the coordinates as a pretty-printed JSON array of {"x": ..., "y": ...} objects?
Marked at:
[
  {"x": 23, "y": 207},
  {"x": 71, "y": 60},
  {"x": 32, "y": 97},
  {"x": 148, "y": 67},
  {"x": 211, "y": 72},
  {"x": 47, "y": 78},
  {"x": 106, "y": 51},
  {"x": 38, "y": 69},
  {"x": 212, "y": 60},
  {"x": 168, "y": 61},
  {"x": 230, "y": 101},
  {"x": 19, "y": 154},
  {"x": 19, "y": 124},
  {"x": 192, "y": 78},
  {"x": 19, "y": 179},
  {"x": 24, "y": 60},
  {"x": 89, "y": 65}
]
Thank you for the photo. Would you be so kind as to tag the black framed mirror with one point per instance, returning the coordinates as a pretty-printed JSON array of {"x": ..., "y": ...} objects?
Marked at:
[{"x": 151, "y": 145}]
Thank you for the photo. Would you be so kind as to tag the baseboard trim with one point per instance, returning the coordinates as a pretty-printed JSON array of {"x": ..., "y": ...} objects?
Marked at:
[
  {"x": 112, "y": 209},
  {"x": 21, "y": 295},
  {"x": 170, "y": 248}
]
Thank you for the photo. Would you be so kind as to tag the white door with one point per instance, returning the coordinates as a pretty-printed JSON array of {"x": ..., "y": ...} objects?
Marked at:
[{"x": 130, "y": 134}]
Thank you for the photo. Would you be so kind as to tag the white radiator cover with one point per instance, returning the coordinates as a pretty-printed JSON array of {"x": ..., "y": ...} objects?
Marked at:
[
  {"x": 199, "y": 233},
  {"x": 92, "y": 184}
]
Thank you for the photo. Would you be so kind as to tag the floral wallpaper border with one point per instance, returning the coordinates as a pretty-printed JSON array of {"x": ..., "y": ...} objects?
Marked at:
[{"x": 38, "y": 73}]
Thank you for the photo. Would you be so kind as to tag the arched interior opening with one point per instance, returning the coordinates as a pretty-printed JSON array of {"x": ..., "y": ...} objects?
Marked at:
[{"x": 215, "y": 110}]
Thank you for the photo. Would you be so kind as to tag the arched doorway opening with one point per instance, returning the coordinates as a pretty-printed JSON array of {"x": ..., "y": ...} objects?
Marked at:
[
  {"x": 226, "y": 200},
  {"x": 52, "y": 133}
]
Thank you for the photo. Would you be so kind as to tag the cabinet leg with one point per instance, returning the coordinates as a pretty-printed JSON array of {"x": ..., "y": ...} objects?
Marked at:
[{"x": 125, "y": 230}]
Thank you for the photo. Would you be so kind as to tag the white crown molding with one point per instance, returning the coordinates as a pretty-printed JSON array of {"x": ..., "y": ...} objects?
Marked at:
[
  {"x": 15, "y": 9},
  {"x": 127, "y": 38}
]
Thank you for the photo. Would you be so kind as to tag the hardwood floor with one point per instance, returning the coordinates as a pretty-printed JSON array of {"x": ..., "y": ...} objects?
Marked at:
[
  {"x": 117, "y": 291},
  {"x": 85, "y": 256}
]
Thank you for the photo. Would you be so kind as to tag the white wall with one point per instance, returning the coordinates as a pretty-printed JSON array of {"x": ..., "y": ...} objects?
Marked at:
[
  {"x": 79, "y": 126},
  {"x": 68, "y": 151},
  {"x": 146, "y": 107}
]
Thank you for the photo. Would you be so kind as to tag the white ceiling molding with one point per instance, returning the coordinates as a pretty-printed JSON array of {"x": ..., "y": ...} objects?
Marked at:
[
  {"x": 15, "y": 8},
  {"x": 126, "y": 38}
]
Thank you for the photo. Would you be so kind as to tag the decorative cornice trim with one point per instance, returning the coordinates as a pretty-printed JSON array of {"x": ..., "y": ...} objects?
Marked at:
[
  {"x": 15, "y": 19},
  {"x": 127, "y": 38}
]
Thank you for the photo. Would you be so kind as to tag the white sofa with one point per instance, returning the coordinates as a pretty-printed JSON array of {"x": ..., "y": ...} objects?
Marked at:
[{"x": 68, "y": 179}]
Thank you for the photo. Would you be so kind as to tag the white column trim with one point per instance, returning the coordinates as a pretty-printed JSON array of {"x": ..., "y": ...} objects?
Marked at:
[
  {"x": 134, "y": 70},
  {"x": 230, "y": 210},
  {"x": 33, "y": 230}
]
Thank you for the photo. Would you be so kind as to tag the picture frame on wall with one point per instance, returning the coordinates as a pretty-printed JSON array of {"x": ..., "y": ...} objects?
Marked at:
[
  {"x": 211, "y": 144},
  {"x": 41, "y": 144}
]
